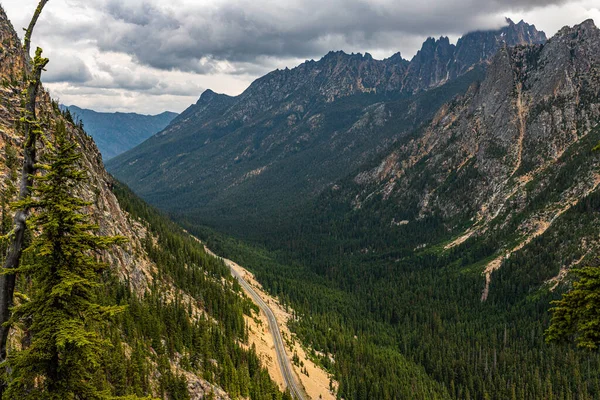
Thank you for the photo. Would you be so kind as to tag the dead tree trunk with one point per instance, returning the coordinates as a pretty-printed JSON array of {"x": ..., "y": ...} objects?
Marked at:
[
  {"x": 31, "y": 132},
  {"x": 29, "y": 31}
]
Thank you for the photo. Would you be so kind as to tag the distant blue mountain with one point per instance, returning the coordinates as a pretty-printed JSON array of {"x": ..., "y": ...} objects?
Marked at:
[{"x": 115, "y": 133}]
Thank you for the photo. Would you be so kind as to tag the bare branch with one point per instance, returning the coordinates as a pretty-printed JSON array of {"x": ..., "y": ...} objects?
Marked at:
[{"x": 29, "y": 31}]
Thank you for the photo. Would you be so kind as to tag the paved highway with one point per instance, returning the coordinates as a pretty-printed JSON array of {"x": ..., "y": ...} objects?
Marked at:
[
  {"x": 285, "y": 365},
  {"x": 284, "y": 362}
]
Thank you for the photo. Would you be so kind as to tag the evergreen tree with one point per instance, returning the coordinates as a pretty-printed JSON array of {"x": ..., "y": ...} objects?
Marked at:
[
  {"x": 62, "y": 313},
  {"x": 577, "y": 315}
]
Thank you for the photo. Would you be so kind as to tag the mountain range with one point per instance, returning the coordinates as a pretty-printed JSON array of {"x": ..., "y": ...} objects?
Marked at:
[
  {"x": 293, "y": 133},
  {"x": 115, "y": 133}
]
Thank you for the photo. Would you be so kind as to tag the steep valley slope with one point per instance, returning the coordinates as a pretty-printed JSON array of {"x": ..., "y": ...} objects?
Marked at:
[
  {"x": 183, "y": 333},
  {"x": 511, "y": 155}
]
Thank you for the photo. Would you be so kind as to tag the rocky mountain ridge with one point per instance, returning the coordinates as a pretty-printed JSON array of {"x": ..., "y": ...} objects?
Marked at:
[{"x": 339, "y": 75}]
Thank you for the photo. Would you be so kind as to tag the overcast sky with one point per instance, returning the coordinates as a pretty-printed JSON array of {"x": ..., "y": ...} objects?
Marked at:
[{"x": 149, "y": 56}]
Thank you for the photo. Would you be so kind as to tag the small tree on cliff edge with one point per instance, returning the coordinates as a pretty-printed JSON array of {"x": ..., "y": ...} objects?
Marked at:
[
  {"x": 576, "y": 317},
  {"x": 64, "y": 270}
]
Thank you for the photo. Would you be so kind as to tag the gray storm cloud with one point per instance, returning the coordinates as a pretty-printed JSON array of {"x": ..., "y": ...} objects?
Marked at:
[
  {"x": 195, "y": 37},
  {"x": 69, "y": 69}
]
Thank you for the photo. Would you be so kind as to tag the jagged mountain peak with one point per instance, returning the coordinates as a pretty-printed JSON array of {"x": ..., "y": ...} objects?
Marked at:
[
  {"x": 209, "y": 104},
  {"x": 522, "y": 22},
  {"x": 209, "y": 96},
  {"x": 512, "y": 33},
  {"x": 432, "y": 45},
  {"x": 586, "y": 26},
  {"x": 395, "y": 58},
  {"x": 589, "y": 23},
  {"x": 342, "y": 56},
  {"x": 335, "y": 53},
  {"x": 431, "y": 41}
]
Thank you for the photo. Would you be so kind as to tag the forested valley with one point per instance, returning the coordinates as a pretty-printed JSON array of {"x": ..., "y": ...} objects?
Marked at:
[{"x": 431, "y": 226}]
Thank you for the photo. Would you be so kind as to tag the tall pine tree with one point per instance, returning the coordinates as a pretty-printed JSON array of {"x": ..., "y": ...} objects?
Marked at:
[{"x": 63, "y": 266}]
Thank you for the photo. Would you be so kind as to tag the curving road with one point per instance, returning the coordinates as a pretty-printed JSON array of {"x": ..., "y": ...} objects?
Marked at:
[
  {"x": 296, "y": 389},
  {"x": 284, "y": 362}
]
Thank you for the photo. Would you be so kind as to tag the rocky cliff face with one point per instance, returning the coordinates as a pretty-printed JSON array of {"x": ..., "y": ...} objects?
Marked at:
[
  {"x": 129, "y": 262},
  {"x": 11, "y": 58},
  {"x": 493, "y": 156},
  {"x": 535, "y": 103}
]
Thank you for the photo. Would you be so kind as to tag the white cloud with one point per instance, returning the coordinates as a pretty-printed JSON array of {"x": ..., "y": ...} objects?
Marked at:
[{"x": 550, "y": 19}]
